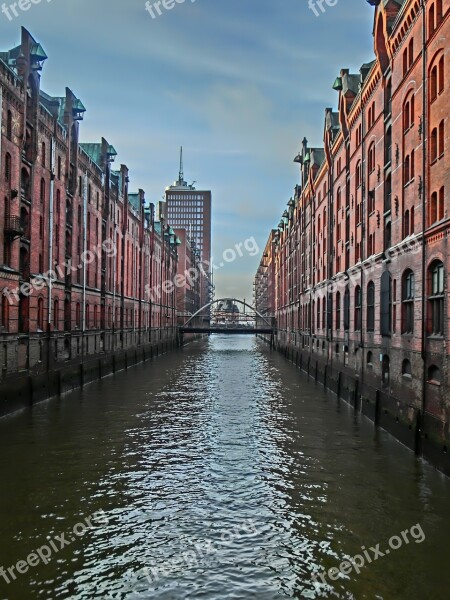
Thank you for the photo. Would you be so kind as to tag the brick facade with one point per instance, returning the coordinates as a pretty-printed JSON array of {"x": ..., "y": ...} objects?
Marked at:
[
  {"x": 361, "y": 252},
  {"x": 65, "y": 210}
]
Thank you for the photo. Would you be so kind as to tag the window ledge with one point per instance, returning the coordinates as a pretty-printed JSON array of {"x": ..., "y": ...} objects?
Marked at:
[{"x": 434, "y": 382}]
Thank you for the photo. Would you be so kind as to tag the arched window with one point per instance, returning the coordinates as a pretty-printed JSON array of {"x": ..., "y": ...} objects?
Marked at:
[
  {"x": 441, "y": 139},
  {"x": 4, "y": 312},
  {"x": 338, "y": 199},
  {"x": 371, "y": 157},
  {"x": 59, "y": 169},
  {"x": 433, "y": 83},
  {"x": 406, "y": 116},
  {"x": 358, "y": 174},
  {"x": 56, "y": 314},
  {"x": 86, "y": 316},
  {"x": 386, "y": 304},
  {"x": 43, "y": 155},
  {"x": 346, "y": 309},
  {"x": 406, "y": 368},
  {"x": 435, "y": 316},
  {"x": 433, "y": 209},
  {"x": 406, "y": 171},
  {"x": 358, "y": 308},
  {"x": 370, "y": 306},
  {"x": 408, "y": 293},
  {"x": 40, "y": 314},
  {"x": 95, "y": 316},
  {"x": 9, "y": 125},
  {"x": 8, "y": 169},
  {"x": 406, "y": 221},
  {"x": 42, "y": 191},
  {"x": 431, "y": 20},
  {"x": 434, "y": 145},
  {"x": 78, "y": 315},
  {"x": 441, "y": 212},
  {"x": 338, "y": 311},
  {"x": 434, "y": 375}
]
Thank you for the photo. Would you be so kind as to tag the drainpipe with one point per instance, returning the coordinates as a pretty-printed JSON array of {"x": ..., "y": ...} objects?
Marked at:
[
  {"x": 50, "y": 245},
  {"x": 83, "y": 326},
  {"x": 50, "y": 240},
  {"x": 424, "y": 188},
  {"x": 363, "y": 234}
]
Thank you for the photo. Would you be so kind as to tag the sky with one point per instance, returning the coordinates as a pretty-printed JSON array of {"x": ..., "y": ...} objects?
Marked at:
[{"x": 237, "y": 83}]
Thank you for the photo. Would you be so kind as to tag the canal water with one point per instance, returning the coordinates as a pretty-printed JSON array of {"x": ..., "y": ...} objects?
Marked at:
[{"x": 215, "y": 472}]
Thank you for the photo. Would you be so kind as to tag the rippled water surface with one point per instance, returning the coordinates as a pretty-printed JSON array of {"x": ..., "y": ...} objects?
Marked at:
[{"x": 216, "y": 472}]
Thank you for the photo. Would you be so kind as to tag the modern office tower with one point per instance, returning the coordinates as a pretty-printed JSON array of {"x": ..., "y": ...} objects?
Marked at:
[{"x": 190, "y": 209}]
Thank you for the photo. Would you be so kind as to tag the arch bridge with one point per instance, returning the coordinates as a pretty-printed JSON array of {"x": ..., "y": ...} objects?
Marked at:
[{"x": 228, "y": 320}]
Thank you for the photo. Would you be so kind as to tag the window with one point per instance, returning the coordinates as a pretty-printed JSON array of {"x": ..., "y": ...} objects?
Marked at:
[
  {"x": 40, "y": 314},
  {"x": 441, "y": 75},
  {"x": 408, "y": 292},
  {"x": 4, "y": 314},
  {"x": 369, "y": 359},
  {"x": 8, "y": 169},
  {"x": 433, "y": 83},
  {"x": 371, "y": 202},
  {"x": 358, "y": 174},
  {"x": 371, "y": 158},
  {"x": 406, "y": 117},
  {"x": 436, "y": 78},
  {"x": 406, "y": 171},
  {"x": 406, "y": 220},
  {"x": 56, "y": 314},
  {"x": 86, "y": 316},
  {"x": 434, "y": 145},
  {"x": 43, "y": 155},
  {"x": 441, "y": 212},
  {"x": 434, "y": 375},
  {"x": 42, "y": 191},
  {"x": 440, "y": 140},
  {"x": 436, "y": 210},
  {"x": 338, "y": 199},
  {"x": 406, "y": 369},
  {"x": 370, "y": 306},
  {"x": 385, "y": 370},
  {"x": 386, "y": 304},
  {"x": 59, "y": 167},
  {"x": 431, "y": 21},
  {"x": 405, "y": 61},
  {"x": 78, "y": 315},
  {"x": 435, "y": 315},
  {"x": 338, "y": 311},
  {"x": 347, "y": 309},
  {"x": 9, "y": 125},
  {"x": 438, "y": 12},
  {"x": 411, "y": 53},
  {"x": 358, "y": 308}
]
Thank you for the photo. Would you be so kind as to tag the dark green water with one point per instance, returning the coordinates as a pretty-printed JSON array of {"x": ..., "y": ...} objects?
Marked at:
[{"x": 226, "y": 474}]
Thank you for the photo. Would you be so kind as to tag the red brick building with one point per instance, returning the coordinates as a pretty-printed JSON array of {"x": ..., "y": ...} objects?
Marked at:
[
  {"x": 361, "y": 252},
  {"x": 80, "y": 255}
]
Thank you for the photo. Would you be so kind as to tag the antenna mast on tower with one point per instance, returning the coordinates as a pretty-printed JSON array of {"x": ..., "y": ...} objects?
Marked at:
[{"x": 181, "y": 174}]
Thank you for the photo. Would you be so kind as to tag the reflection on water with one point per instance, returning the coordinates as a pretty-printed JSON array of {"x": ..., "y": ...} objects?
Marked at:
[{"x": 224, "y": 474}]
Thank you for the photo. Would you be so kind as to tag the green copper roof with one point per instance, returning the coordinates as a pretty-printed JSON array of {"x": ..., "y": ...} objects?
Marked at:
[
  {"x": 37, "y": 52},
  {"x": 133, "y": 199}
]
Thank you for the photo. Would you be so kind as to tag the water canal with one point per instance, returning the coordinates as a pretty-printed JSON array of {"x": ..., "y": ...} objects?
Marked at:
[{"x": 216, "y": 472}]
